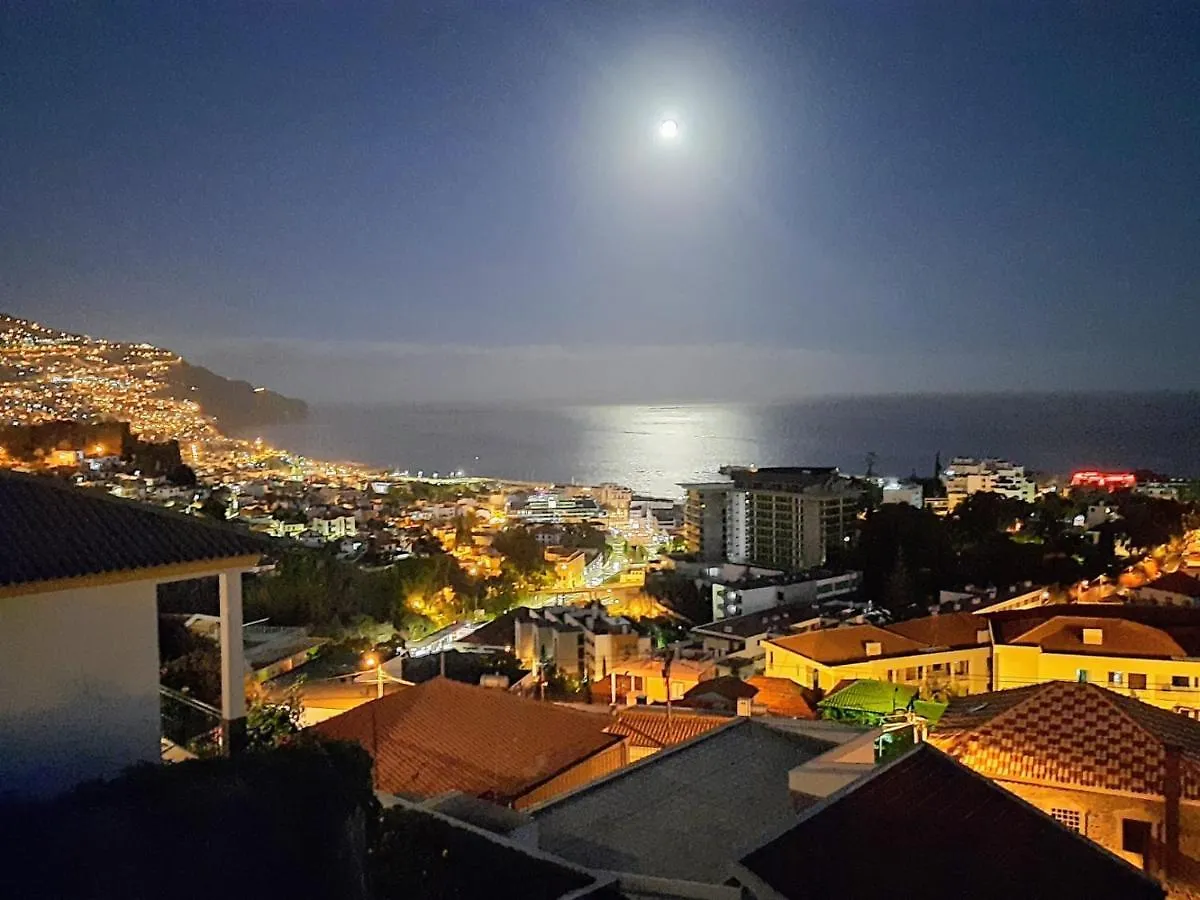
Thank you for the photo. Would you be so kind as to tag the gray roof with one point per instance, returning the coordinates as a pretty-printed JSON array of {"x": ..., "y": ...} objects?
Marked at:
[
  {"x": 683, "y": 813},
  {"x": 50, "y": 530}
]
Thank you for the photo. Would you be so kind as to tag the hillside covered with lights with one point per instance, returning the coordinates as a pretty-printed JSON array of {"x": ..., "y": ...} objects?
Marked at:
[{"x": 48, "y": 375}]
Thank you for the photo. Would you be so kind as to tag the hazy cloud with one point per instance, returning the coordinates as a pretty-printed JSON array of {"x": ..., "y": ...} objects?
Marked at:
[{"x": 369, "y": 371}]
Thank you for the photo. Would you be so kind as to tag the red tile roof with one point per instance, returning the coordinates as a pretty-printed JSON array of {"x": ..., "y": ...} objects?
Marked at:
[
  {"x": 1074, "y": 735},
  {"x": 727, "y": 687},
  {"x": 649, "y": 727},
  {"x": 447, "y": 736},
  {"x": 957, "y": 629},
  {"x": 1119, "y": 637},
  {"x": 835, "y": 646},
  {"x": 782, "y": 697}
]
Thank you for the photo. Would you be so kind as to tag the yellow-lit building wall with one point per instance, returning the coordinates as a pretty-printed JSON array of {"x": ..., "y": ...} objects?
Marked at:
[
  {"x": 1169, "y": 683},
  {"x": 966, "y": 670}
]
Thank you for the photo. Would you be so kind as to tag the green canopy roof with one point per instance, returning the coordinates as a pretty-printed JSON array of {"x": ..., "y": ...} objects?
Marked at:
[
  {"x": 869, "y": 695},
  {"x": 880, "y": 697}
]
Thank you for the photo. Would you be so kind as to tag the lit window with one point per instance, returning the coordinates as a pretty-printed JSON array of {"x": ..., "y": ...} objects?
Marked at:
[
  {"x": 1115, "y": 678},
  {"x": 1081, "y": 675},
  {"x": 1069, "y": 817}
]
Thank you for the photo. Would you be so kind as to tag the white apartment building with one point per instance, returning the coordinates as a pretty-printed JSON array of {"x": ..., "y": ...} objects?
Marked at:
[
  {"x": 966, "y": 476},
  {"x": 903, "y": 492}
]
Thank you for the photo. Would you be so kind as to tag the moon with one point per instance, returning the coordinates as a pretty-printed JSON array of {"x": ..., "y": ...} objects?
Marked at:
[{"x": 668, "y": 129}]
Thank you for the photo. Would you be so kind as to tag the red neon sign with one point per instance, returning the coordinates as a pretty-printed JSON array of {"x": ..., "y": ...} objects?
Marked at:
[{"x": 1107, "y": 481}]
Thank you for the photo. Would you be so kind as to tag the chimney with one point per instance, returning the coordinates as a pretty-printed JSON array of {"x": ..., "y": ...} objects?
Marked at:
[
  {"x": 1093, "y": 636},
  {"x": 1172, "y": 791}
]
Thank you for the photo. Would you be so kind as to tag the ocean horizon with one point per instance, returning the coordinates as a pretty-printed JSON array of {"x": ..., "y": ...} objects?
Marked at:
[{"x": 652, "y": 448}]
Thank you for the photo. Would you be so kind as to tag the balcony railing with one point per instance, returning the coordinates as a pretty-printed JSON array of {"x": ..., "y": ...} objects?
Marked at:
[{"x": 189, "y": 723}]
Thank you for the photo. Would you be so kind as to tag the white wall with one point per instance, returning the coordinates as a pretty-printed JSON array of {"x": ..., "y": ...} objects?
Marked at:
[{"x": 78, "y": 686}]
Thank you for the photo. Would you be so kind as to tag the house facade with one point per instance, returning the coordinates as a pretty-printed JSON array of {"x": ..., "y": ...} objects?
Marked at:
[
  {"x": 1109, "y": 767},
  {"x": 950, "y": 652},
  {"x": 79, "y": 665}
]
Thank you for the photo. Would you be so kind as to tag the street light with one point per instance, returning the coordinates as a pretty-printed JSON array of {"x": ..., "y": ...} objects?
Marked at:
[{"x": 371, "y": 660}]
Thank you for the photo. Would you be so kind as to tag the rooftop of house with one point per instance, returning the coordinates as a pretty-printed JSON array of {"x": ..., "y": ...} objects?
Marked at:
[
  {"x": 869, "y": 695},
  {"x": 1177, "y": 583},
  {"x": 1182, "y": 623},
  {"x": 51, "y": 531},
  {"x": 684, "y": 812},
  {"x": 782, "y": 697},
  {"x": 727, "y": 687},
  {"x": 444, "y": 735},
  {"x": 438, "y": 855},
  {"x": 1096, "y": 636},
  {"x": 778, "y": 619},
  {"x": 652, "y": 727},
  {"x": 836, "y": 646},
  {"x": 1070, "y": 734},
  {"x": 991, "y": 843},
  {"x": 955, "y": 629}
]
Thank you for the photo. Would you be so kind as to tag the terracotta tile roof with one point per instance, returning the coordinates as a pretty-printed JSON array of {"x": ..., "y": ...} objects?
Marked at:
[
  {"x": 834, "y": 646},
  {"x": 1119, "y": 637},
  {"x": 1177, "y": 583},
  {"x": 782, "y": 697},
  {"x": 649, "y": 727},
  {"x": 1069, "y": 734},
  {"x": 992, "y": 845},
  {"x": 728, "y": 687},
  {"x": 50, "y": 530},
  {"x": 957, "y": 629},
  {"x": 1182, "y": 623},
  {"x": 447, "y": 736}
]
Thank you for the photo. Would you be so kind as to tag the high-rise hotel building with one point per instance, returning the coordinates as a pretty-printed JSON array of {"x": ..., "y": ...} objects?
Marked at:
[{"x": 782, "y": 518}]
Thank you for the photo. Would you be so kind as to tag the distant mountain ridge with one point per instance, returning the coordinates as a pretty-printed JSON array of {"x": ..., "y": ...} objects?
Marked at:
[{"x": 31, "y": 355}]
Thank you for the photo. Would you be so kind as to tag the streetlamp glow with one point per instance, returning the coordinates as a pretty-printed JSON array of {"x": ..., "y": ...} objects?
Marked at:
[{"x": 668, "y": 129}]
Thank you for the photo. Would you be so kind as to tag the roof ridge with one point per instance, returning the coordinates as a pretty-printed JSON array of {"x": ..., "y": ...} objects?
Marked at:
[
  {"x": 1031, "y": 690},
  {"x": 1119, "y": 701}
]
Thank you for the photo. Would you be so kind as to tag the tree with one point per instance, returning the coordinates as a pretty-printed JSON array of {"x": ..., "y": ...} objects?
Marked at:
[
  {"x": 520, "y": 550},
  {"x": 197, "y": 672},
  {"x": 900, "y": 592},
  {"x": 213, "y": 508},
  {"x": 269, "y": 724},
  {"x": 984, "y": 514},
  {"x": 464, "y": 527}
]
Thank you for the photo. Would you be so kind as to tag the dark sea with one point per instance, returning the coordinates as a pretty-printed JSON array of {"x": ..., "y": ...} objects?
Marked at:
[{"x": 653, "y": 448}]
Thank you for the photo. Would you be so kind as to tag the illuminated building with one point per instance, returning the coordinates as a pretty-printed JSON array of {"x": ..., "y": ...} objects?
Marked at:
[
  {"x": 949, "y": 651},
  {"x": 1108, "y": 767},
  {"x": 1104, "y": 481},
  {"x": 966, "y": 476},
  {"x": 548, "y": 508},
  {"x": 784, "y": 517}
]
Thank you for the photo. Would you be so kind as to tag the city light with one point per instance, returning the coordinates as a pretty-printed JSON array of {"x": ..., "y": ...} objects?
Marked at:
[{"x": 1107, "y": 481}]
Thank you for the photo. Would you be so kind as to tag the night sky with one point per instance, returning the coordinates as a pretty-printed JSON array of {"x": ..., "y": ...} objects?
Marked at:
[{"x": 470, "y": 200}]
